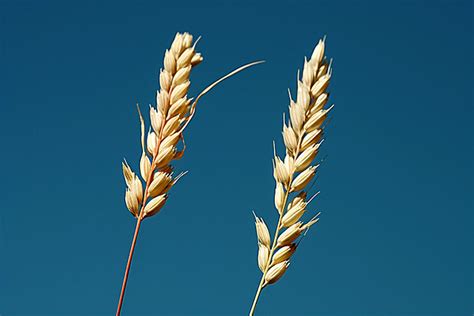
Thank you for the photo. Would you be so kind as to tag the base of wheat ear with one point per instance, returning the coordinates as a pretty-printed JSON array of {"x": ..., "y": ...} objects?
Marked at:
[
  {"x": 147, "y": 192},
  {"x": 302, "y": 136}
]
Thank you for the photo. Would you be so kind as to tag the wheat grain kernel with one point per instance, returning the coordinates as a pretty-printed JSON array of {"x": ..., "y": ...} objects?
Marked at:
[
  {"x": 276, "y": 272},
  {"x": 196, "y": 60},
  {"x": 170, "y": 62},
  {"x": 160, "y": 184},
  {"x": 151, "y": 142},
  {"x": 283, "y": 253},
  {"x": 145, "y": 166},
  {"x": 155, "y": 119},
  {"x": 154, "y": 205},
  {"x": 263, "y": 255},
  {"x": 131, "y": 202},
  {"x": 262, "y": 232},
  {"x": 165, "y": 80},
  {"x": 290, "y": 234},
  {"x": 279, "y": 197},
  {"x": 303, "y": 179}
]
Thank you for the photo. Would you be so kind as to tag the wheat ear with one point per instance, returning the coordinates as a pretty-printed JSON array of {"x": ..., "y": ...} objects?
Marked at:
[
  {"x": 168, "y": 120},
  {"x": 302, "y": 136}
]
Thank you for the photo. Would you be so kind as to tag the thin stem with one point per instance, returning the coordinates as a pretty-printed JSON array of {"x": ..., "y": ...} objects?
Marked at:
[
  {"x": 257, "y": 295},
  {"x": 127, "y": 269}
]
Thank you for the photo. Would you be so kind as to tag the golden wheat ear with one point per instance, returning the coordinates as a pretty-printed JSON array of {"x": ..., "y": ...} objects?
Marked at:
[
  {"x": 302, "y": 136},
  {"x": 147, "y": 192}
]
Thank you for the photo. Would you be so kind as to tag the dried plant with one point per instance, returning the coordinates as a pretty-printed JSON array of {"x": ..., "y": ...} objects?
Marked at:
[
  {"x": 164, "y": 142},
  {"x": 302, "y": 136}
]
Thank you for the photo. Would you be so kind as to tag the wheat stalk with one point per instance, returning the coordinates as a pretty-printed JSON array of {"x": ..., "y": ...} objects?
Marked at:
[
  {"x": 168, "y": 120},
  {"x": 302, "y": 136}
]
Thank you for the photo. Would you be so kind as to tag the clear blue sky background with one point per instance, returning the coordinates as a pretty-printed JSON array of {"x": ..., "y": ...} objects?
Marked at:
[{"x": 396, "y": 231}]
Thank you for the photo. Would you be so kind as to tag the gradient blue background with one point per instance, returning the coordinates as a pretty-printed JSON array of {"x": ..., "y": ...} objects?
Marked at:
[{"x": 396, "y": 231}]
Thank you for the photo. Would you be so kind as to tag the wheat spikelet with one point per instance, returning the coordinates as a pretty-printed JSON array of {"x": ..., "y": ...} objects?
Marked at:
[
  {"x": 302, "y": 136},
  {"x": 164, "y": 142}
]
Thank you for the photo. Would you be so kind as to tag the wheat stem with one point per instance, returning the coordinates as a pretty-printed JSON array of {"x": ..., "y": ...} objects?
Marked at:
[{"x": 127, "y": 269}]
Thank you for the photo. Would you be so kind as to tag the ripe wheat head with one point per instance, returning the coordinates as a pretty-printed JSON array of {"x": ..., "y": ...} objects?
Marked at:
[
  {"x": 168, "y": 120},
  {"x": 302, "y": 136}
]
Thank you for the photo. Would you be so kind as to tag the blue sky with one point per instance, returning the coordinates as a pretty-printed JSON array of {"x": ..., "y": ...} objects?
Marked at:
[{"x": 395, "y": 236}]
